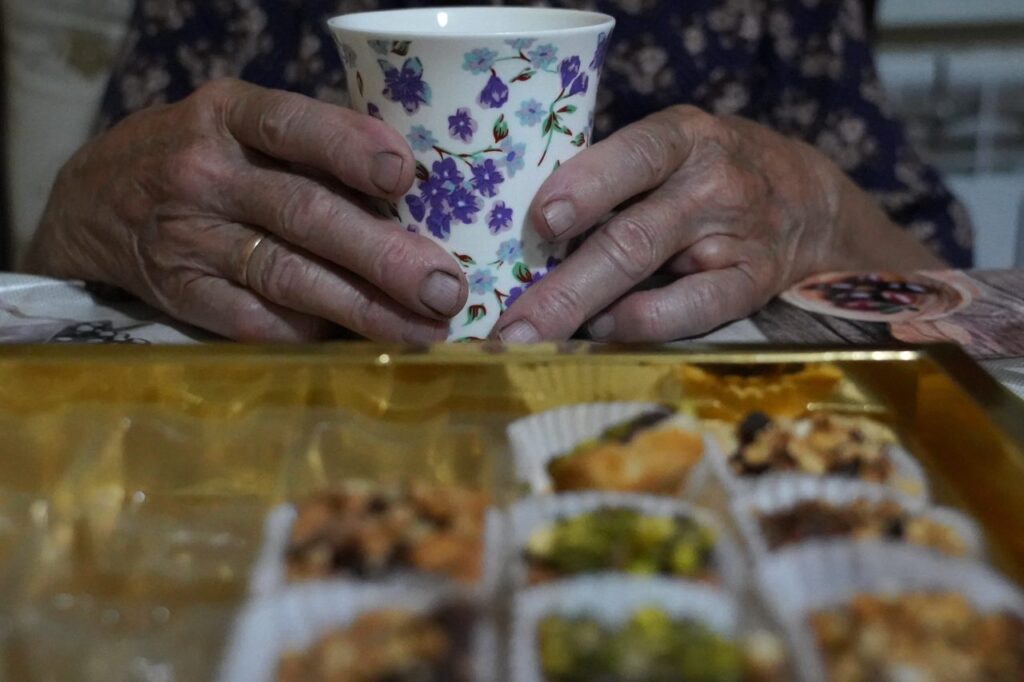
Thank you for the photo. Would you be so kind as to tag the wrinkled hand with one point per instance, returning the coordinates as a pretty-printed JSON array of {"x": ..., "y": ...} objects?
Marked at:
[
  {"x": 170, "y": 203},
  {"x": 727, "y": 211}
]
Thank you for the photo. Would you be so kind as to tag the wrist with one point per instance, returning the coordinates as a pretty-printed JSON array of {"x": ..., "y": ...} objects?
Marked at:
[{"x": 863, "y": 236}]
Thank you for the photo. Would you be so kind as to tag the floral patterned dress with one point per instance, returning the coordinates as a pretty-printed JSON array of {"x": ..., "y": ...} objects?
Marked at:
[{"x": 801, "y": 67}]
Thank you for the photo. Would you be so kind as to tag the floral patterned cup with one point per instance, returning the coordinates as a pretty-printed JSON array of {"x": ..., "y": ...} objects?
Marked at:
[{"x": 491, "y": 100}]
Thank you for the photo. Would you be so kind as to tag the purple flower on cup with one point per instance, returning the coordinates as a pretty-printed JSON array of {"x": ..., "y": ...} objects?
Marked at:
[
  {"x": 461, "y": 125},
  {"x": 416, "y": 206},
  {"x": 439, "y": 222},
  {"x": 479, "y": 61},
  {"x": 500, "y": 218},
  {"x": 579, "y": 86},
  {"x": 495, "y": 93},
  {"x": 487, "y": 177},
  {"x": 447, "y": 171},
  {"x": 406, "y": 85},
  {"x": 543, "y": 56},
  {"x": 482, "y": 281},
  {"x": 531, "y": 112},
  {"x": 464, "y": 205},
  {"x": 570, "y": 69},
  {"x": 421, "y": 139},
  {"x": 510, "y": 251},
  {"x": 434, "y": 191},
  {"x": 601, "y": 53},
  {"x": 512, "y": 156}
]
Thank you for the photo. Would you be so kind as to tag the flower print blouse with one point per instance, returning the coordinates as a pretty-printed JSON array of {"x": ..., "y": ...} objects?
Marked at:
[{"x": 801, "y": 67}]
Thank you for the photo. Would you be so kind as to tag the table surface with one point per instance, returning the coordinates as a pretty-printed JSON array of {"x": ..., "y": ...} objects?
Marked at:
[{"x": 37, "y": 309}]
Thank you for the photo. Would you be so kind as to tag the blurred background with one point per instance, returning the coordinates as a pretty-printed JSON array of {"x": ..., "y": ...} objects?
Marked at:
[{"x": 954, "y": 69}]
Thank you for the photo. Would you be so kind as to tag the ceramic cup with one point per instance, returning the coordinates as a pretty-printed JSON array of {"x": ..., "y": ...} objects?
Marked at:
[{"x": 491, "y": 101}]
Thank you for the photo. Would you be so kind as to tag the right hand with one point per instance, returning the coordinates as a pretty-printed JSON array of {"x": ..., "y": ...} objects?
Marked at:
[{"x": 168, "y": 203}]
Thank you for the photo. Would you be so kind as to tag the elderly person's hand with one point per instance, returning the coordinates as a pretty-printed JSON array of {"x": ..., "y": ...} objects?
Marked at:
[
  {"x": 727, "y": 211},
  {"x": 172, "y": 203}
]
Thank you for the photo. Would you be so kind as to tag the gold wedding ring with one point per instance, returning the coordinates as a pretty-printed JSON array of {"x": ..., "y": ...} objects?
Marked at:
[{"x": 247, "y": 253}]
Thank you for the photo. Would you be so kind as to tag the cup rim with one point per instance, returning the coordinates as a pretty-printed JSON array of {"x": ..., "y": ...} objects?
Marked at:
[{"x": 589, "y": 23}]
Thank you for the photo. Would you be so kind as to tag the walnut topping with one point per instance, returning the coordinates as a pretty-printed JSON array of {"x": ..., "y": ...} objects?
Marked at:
[
  {"x": 821, "y": 444},
  {"x": 369, "y": 531}
]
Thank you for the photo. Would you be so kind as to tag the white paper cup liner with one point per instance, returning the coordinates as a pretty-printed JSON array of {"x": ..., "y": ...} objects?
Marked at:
[
  {"x": 907, "y": 475},
  {"x": 534, "y": 513},
  {"x": 779, "y": 492},
  {"x": 800, "y": 581},
  {"x": 537, "y": 439},
  {"x": 611, "y": 600},
  {"x": 268, "y": 574},
  {"x": 295, "y": 619}
]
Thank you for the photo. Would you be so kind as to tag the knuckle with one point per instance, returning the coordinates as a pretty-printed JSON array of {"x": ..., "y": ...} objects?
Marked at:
[
  {"x": 278, "y": 120},
  {"x": 193, "y": 169},
  {"x": 654, "y": 321},
  {"x": 248, "y": 320},
  {"x": 705, "y": 305},
  {"x": 710, "y": 254},
  {"x": 647, "y": 151},
  {"x": 365, "y": 315},
  {"x": 564, "y": 304},
  {"x": 394, "y": 255},
  {"x": 216, "y": 91},
  {"x": 295, "y": 214},
  {"x": 630, "y": 246},
  {"x": 285, "y": 276}
]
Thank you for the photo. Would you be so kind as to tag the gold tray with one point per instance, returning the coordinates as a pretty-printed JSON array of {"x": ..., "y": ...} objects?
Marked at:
[{"x": 135, "y": 482}]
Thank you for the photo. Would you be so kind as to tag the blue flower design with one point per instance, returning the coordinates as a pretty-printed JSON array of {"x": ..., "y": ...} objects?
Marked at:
[
  {"x": 439, "y": 222},
  {"x": 421, "y": 139},
  {"x": 434, "y": 191},
  {"x": 500, "y": 218},
  {"x": 600, "y": 53},
  {"x": 543, "y": 56},
  {"x": 482, "y": 281},
  {"x": 520, "y": 44},
  {"x": 487, "y": 177},
  {"x": 513, "y": 156},
  {"x": 570, "y": 69},
  {"x": 531, "y": 112},
  {"x": 406, "y": 85},
  {"x": 495, "y": 93},
  {"x": 510, "y": 251},
  {"x": 416, "y": 207},
  {"x": 579, "y": 86},
  {"x": 479, "y": 61},
  {"x": 461, "y": 125},
  {"x": 464, "y": 205},
  {"x": 447, "y": 171}
]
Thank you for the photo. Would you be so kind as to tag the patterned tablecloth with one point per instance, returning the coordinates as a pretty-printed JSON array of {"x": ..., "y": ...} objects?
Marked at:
[{"x": 40, "y": 310}]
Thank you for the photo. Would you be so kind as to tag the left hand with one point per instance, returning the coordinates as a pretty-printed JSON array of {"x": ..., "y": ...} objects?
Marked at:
[{"x": 731, "y": 212}]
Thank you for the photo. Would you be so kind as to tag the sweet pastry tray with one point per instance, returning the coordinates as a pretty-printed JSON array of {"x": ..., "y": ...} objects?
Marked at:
[{"x": 149, "y": 497}]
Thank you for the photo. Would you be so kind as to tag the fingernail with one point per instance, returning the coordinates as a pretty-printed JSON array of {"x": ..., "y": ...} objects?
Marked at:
[
  {"x": 441, "y": 293},
  {"x": 602, "y": 327},
  {"x": 386, "y": 172},
  {"x": 519, "y": 332},
  {"x": 560, "y": 216}
]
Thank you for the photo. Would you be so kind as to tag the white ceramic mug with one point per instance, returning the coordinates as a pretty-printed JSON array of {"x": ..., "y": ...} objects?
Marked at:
[{"x": 491, "y": 101}]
